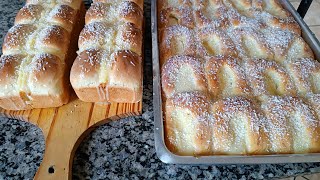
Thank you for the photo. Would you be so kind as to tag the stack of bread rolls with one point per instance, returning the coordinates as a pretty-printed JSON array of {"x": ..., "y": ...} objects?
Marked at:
[
  {"x": 237, "y": 78},
  {"x": 38, "y": 52},
  {"x": 109, "y": 63}
]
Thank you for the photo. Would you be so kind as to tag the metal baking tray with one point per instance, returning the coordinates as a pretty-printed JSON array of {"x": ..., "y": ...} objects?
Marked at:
[{"x": 168, "y": 157}]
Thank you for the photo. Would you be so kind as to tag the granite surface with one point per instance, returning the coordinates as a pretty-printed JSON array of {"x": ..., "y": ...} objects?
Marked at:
[{"x": 119, "y": 150}]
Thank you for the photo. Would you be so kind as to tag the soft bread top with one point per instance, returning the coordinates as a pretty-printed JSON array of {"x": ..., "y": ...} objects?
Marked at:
[
  {"x": 237, "y": 78},
  {"x": 33, "y": 65},
  {"x": 109, "y": 64}
]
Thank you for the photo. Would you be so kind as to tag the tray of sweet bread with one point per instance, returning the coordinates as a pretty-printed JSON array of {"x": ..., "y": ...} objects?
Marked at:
[{"x": 235, "y": 81}]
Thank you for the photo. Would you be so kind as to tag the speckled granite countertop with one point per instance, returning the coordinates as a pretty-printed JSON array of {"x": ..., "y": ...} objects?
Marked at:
[{"x": 119, "y": 150}]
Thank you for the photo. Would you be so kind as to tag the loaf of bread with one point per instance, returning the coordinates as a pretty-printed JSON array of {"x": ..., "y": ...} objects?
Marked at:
[
  {"x": 109, "y": 63},
  {"x": 38, "y": 52},
  {"x": 237, "y": 78}
]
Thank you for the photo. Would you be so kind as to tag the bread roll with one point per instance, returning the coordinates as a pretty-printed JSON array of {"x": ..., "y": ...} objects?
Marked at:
[
  {"x": 238, "y": 128},
  {"x": 268, "y": 78},
  {"x": 176, "y": 16},
  {"x": 177, "y": 40},
  {"x": 215, "y": 42},
  {"x": 251, "y": 43},
  {"x": 286, "y": 46},
  {"x": 293, "y": 125},
  {"x": 183, "y": 74},
  {"x": 187, "y": 126},
  {"x": 225, "y": 77},
  {"x": 137, "y": 2},
  {"x": 305, "y": 73}
]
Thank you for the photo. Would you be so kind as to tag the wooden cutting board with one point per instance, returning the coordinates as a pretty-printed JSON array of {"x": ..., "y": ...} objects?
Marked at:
[{"x": 65, "y": 127}]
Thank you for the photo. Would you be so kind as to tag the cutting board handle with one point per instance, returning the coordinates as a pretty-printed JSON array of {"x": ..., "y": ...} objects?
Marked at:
[{"x": 58, "y": 157}]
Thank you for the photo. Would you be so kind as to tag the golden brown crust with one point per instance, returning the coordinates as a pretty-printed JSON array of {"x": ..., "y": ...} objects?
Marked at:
[
  {"x": 124, "y": 95},
  {"x": 125, "y": 80},
  {"x": 86, "y": 65},
  {"x": 47, "y": 81},
  {"x": 46, "y": 86},
  {"x": 129, "y": 38},
  {"x": 64, "y": 16},
  {"x": 110, "y": 13},
  {"x": 90, "y": 94},
  {"x": 44, "y": 68},
  {"x": 101, "y": 35},
  {"x": 16, "y": 39},
  {"x": 138, "y": 2},
  {"x": 94, "y": 34},
  {"x": 54, "y": 40},
  {"x": 8, "y": 68},
  {"x": 75, "y": 4},
  {"x": 28, "y": 14}
]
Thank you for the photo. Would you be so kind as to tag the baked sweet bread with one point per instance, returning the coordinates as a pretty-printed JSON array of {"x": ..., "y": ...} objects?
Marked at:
[
  {"x": 238, "y": 127},
  {"x": 187, "y": 126},
  {"x": 305, "y": 73},
  {"x": 293, "y": 125},
  {"x": 177, "y": 40},
  {"x": 215, "y": 42},
  {"x": 137, "y": 2},
  {"x": 268, "y": 78},
  {"x": 225, "y": 77},
  {"x": 38, "y": 52},
  {"x": 109, "y": 63},
  {"x": 236, "y": 78},
  {"x": 183, "y": 73}
]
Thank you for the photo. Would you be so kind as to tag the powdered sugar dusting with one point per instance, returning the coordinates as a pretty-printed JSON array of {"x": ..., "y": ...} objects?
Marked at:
[
  {"x": 302, "y": 71},
  {"x": 289, "y": 116},
  {"x": 177, "y": 65},
  {"x": 127, "y": 7},
  {"x": 41, "y": 62},
  {"x": 257, "y": 69}
]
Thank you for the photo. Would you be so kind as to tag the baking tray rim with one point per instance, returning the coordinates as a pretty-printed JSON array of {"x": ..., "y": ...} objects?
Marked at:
[{"x": 166, "y": 156}]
